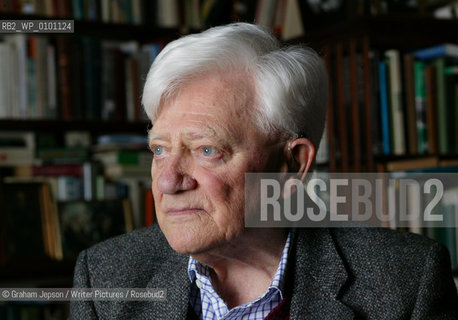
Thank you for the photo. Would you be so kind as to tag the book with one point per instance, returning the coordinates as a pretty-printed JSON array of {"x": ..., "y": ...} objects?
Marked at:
[
  {"x": 293, "y": 26},
  {"x": 384, "y": 109},
  {"x": 4, "y": 79},
  {"x": 125, "y": 157},
  {"x": 355, "y": 78},
  {"x": 341, "y": 109},
  {"x": 443, "y": 50},
  {"x": 411, "y": 102},
  {"x": 410, "y": 164},
  {"x": 24, "y": 231},
  {"x": 431, "y": 108},
  {"x": 265, "y": 13},
  {"x": 167, "y": 14},
  {"x": 443, "y": 112},
  {"x": 17, "y": 45},
  {"x": 121, "y": 141},
  {"x": 330, "y": 117},
  {"x": 74, "y": 170},
  {"x": 369, "y": 104},
  {"x": 420, "y": 106},
  {"x": 17, "y": 148},
  {"x": 65, "y": 155},
  {"x": 375, "y": 122},
  {"x": 92, "y": 77},
  {"x": 64, "y": 63},
  {"x": 149, "y": 208},
  {"x": 397, "y": 111},
  {"x": 456, "y": 117},
  {"x": 82, "y": 223},
  {"x": 116, "y": 171}
]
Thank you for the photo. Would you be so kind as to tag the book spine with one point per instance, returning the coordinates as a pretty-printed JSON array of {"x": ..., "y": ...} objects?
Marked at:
[
  {"x": 341, "y": 112},
  {"x": 355, "y": 112},
  {"x": 409, "y": 74},
  {"x": 330, "y": 118},
  {"x": 384, "y": 110},
  {"x": 149, "y": 208},
  {"x": 420, "y": 105},
  {"x": 368, "y": 104},
  {"x": 431, "y": 108},
  {"x": 430, "y": 53},
  {"x": 442, "y": 111},
  {"x": 397, "y": 112},
  {"x": 58, "y": 170}
]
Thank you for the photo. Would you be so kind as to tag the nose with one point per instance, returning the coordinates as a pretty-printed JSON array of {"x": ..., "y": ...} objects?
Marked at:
[{"x": 173, "y": 178}]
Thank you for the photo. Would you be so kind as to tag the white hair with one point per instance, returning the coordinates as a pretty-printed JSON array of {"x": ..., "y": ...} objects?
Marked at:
[{"x": 290, "y": 83}]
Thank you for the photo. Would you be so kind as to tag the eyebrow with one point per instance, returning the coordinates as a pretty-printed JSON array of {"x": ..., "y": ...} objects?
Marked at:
[{"x": 205, "y": 133}]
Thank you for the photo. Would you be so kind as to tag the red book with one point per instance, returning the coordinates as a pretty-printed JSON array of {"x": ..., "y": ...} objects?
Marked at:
[
  {"x": 149, "y": 208},
  {"x": 58, "y": 170},
  {"x": 64, "y": 67}
]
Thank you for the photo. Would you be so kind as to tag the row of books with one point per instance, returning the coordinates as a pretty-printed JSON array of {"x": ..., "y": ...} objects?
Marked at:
[
  {"x": 135, "y": 12},
  {"x": 441, "y": 205},
  {"x": 390, "y": 103},
  {"x": 282, "y": 16},
  {"x": 72, "y": 78},
  {"x": 115, "y": 167}
]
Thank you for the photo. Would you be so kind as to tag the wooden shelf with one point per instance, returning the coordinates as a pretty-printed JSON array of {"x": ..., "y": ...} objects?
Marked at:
[
  {"x": 58, "y": 126},
  {"x": 116, "y": 31},
  {"x": 390, "y": 31}
]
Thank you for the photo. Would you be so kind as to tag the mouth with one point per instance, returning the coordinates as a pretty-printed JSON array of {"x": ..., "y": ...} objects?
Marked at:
[{"x": 183, "y": 211}]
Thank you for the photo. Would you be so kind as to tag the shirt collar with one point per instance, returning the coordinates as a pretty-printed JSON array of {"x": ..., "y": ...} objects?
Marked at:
[{"x": 277, "y": 283}]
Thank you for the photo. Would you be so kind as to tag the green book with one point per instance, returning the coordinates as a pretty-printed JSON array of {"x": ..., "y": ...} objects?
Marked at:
[
  {"x": 442, "y": 109},
  {"x": 456, "y": 117}
]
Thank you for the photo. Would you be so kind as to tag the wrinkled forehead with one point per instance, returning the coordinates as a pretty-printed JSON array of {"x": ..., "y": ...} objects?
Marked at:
[
  {"x": 212, "y": 105},
  {"x": 233, "y": 90}
]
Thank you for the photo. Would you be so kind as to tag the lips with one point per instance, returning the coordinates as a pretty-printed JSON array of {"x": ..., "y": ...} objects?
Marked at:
[{"x": 182, "y": 211}]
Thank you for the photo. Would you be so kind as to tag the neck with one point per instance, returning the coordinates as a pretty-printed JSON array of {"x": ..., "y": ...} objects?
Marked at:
[{"x": 244, "y": 269}]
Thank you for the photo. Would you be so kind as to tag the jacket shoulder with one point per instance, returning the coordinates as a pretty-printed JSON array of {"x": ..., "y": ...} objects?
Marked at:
[{"x": 130, "y": 259}]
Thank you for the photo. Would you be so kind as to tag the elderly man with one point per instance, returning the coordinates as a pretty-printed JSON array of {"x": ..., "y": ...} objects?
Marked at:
[{"x": 225, "y": 102}]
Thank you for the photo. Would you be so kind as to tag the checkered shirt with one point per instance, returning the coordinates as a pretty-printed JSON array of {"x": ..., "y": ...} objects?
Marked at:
[{"x": 209, "y": 306}]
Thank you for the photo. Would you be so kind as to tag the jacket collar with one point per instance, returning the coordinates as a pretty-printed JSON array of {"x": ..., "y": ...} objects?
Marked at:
[
  {"x": 316, "y": 276},
  {"x": 170, "y": 273}
]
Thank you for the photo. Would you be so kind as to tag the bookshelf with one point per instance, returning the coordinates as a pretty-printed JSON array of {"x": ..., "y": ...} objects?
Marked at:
[
  {"x": 364, "y": 34},
  {"x": 354, "y": 51},
  {"x": 408, "y": 31}
]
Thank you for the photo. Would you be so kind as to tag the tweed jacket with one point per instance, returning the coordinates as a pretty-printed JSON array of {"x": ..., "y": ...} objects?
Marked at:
[{"x": 352, "y": 273}]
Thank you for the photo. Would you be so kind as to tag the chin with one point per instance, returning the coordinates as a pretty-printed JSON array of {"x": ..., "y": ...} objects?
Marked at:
[{"x": 187, "y": 241}]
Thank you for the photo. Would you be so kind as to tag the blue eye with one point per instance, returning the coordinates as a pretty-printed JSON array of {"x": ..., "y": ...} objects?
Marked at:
[
  {"x": 158, "y": 150},
  {"x": 209, "y": 151}
]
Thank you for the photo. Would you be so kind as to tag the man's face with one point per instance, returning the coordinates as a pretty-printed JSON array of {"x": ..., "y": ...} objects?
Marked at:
[{"x": 203, "y": 142}]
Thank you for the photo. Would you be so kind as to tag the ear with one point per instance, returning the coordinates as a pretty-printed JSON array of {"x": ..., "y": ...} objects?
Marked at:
[{"x": 302, "y": 153}]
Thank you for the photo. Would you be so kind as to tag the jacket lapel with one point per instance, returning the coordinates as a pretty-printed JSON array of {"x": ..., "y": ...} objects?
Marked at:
[
  {"x": 174, "y": 278},
  {"x": 169, "y": 271},
  {"x": 316, "y": 277}
]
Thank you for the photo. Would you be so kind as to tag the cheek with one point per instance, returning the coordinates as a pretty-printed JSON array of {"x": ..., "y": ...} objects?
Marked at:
[{"x": 224, "y": 192}]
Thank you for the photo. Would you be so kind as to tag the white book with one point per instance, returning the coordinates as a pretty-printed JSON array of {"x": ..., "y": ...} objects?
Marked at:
[
  {"x": 292, "y": 25},
  {"x": 4, "y": 78},
  {"x": 17, "y": 148},
  {"x": 167, "y": 13},
  {"x": 18, "y": 72},
  {"x": 137, "y": 13},
  {"x": 265, "y": 13}
]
